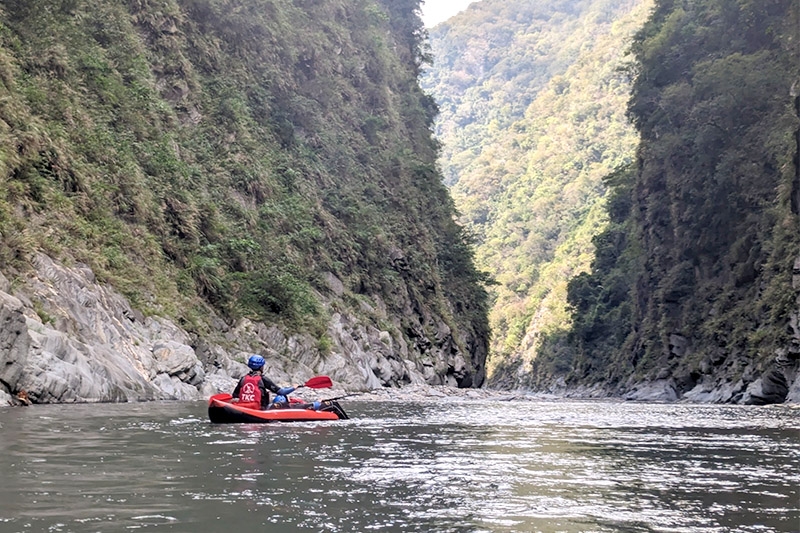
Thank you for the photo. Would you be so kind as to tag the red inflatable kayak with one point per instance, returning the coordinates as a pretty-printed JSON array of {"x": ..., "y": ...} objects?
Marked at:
[{"x": 223, "y": 410}]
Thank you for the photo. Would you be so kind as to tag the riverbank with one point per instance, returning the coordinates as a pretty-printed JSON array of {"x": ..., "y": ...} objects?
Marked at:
[
  {"x": 423, "y": 392},
  {"x": 433, "y": 393}
]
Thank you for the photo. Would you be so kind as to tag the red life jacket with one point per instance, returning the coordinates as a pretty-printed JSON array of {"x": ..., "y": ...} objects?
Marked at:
[{"x": 250, "y": 392}]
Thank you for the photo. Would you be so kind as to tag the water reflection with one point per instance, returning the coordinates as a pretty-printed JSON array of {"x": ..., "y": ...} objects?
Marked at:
[{"x": 451, "y": 467}]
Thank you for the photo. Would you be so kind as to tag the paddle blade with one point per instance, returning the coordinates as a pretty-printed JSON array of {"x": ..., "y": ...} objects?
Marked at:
[{"x": 319, "y": 382}]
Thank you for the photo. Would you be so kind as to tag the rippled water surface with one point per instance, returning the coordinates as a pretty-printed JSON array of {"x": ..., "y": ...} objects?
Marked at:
[{"x": 454, "y": 466}]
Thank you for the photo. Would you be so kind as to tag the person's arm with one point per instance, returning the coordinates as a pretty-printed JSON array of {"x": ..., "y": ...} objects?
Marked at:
[
  {"x": 270, "y": 385},
  {"x": 266, "y": 385},
  {"x": 280, "y": 391},
  {"x": 286, "y": 391}
]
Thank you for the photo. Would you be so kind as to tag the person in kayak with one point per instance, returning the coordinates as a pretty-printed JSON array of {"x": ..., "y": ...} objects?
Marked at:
[
  {"x": 281, "y": 401},
  {"x": 252, "y": 389}
]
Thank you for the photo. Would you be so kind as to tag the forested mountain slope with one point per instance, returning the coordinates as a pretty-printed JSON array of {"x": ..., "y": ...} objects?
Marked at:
[
  {"x": 696, "y": 285},
  {"x": 260, "y": 174},
  {"x": 532, "y": 118},
  {"x": 692, "y": 237}
]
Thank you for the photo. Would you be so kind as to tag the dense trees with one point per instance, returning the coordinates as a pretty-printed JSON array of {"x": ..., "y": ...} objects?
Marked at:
[
  {"x": 222, "y": 155},
  {"x": 680, "y": 254},
  {"x": 712, "y": 220},
  {"x": 533, "y": 116}
]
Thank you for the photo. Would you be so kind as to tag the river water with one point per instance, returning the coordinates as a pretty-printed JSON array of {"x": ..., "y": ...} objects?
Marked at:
[{"x": 453, "y": 466}]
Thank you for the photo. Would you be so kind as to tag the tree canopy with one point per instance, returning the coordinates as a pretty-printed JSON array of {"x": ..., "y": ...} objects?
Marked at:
[{"x": 212, "y": 157}]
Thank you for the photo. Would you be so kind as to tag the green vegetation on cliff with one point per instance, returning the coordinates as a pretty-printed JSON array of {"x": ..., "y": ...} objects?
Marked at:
[
  {"x": 533, "y": 116},
  {"x": 218, "y": 155},
  {"x": 615, "y": 266},
  {"x": 706, "y": 224}
]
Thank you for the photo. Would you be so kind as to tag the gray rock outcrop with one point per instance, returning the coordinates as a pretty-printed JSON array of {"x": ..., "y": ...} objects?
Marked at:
[
  {"x": 64, "y": 337},
  {"x": 68, "y": 339}
]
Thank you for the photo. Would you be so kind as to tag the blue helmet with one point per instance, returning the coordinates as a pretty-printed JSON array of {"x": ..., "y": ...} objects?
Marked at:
[
  {"x": 255, "y": 362},
  {"x": 280, "y": 399}
]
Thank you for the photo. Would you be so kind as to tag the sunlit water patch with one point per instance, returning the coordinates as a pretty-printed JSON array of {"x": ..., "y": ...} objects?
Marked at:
[{"x": 449, "y": 466}]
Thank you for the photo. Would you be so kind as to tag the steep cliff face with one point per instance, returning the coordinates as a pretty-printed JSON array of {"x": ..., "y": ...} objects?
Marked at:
[
  {"x": 188, "y": 182},
  {"x": 691, "y": 239},
  {"x": 708, "y": 221}
]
